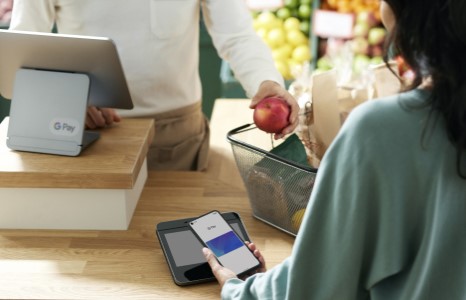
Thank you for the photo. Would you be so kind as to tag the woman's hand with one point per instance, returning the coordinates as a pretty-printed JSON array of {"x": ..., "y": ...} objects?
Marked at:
[
  {"x": 100, "y": 117},
  {"x": 272, "y": 89},
  {"x": 222, "y": 274}
]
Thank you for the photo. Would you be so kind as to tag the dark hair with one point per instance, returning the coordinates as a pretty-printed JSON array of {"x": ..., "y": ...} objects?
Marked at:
[{"x": 430, "y": 35}]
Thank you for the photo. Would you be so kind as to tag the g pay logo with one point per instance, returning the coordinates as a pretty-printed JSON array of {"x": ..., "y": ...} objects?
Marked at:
[{"x": 64, "y": 126}]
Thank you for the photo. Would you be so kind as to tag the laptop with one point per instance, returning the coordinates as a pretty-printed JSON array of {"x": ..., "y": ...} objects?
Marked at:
[{"x": 51, "y": 80}]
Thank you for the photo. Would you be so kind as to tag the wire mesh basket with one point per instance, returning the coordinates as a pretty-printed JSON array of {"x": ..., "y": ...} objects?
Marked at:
[{"x": 278, "y": 189}]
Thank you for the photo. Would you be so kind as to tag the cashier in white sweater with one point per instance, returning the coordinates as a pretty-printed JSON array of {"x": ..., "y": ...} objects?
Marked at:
[{"x": 158, "y": 42}]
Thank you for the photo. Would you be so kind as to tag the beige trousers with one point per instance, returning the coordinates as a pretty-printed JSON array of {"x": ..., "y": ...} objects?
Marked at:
[{"x": 181, "y": 140}]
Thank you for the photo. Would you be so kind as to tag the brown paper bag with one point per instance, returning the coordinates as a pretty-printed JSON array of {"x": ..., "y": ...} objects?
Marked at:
[
  {"x": 329, "y": 105},
  {"x": 325, "y": 107},
  {"x": 386, "y": 83}
]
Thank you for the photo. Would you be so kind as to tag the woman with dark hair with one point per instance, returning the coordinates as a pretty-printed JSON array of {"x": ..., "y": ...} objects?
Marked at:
[{"x": 387, "y": 217}]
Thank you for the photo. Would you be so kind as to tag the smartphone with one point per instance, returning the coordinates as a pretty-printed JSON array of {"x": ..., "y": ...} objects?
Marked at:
[{"x": 229, "y": 249}]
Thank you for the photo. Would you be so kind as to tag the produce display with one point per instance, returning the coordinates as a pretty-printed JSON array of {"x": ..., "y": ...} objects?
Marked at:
[
  {"x": 353, "y": 6},
  {"x": 286, "y": 31},
  {"x": 351, "y": 40},
  {"x": 5, "y": 11},
  {"x": 365, "y": 48}
]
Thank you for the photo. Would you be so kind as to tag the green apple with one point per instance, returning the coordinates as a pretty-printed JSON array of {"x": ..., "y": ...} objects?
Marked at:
[
  {"x": 324, "y": 63},
  {"x": 360, "y": 45},
  {"x": 291, "y": 3},
  {"x": 376, "y": 35},
  {"x": 304, "y": 11},
  {"x": 366, "y": 17},
  {"x": 376, "y": 60},
  {"x": 305, "y": 27},
  {"x": 283, "y": 13},
  {"x": 360, "y": 30}
]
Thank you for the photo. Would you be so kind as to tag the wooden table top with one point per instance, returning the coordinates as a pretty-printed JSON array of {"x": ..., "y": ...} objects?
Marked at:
[
  {"x": 55, "y": 264},
  {"x": 113, "y": 161}
]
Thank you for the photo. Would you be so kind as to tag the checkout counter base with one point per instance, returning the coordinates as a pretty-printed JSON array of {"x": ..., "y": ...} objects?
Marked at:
[{"x": 70, "y": 208}]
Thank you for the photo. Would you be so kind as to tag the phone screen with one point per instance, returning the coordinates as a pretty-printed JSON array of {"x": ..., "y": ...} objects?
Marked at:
[{"x": 226, "y": 245}]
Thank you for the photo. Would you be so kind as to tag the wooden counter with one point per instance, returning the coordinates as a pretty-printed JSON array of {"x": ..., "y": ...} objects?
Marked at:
[
  {"x": 113, "y": 161},
  {"x": 129, "y": 264}
]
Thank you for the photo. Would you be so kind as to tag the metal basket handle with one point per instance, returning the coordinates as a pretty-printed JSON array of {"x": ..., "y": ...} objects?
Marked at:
[{"x": 231, "y": 139}]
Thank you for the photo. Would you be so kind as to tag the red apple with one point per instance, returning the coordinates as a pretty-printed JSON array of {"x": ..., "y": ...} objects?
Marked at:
[
  {"x": 376, "y": 50},
  {"x": 271, "y": 115}
]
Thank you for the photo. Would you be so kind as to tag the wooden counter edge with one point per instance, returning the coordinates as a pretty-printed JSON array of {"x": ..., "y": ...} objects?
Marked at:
[{"x": 85, "y": 179}]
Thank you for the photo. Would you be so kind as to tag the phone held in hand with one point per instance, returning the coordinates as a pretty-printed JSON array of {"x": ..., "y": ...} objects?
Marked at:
[{"x": 216, "y": 234}]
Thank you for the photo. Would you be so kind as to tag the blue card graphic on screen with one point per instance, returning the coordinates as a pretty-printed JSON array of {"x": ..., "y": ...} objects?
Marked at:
[{"x": 224, "y": 243}]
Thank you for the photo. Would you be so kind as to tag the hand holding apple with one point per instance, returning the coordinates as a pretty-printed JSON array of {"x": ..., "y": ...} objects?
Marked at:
[
  {"x": 271, "y": 89},
  {"x": 272, "y": 115}
]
